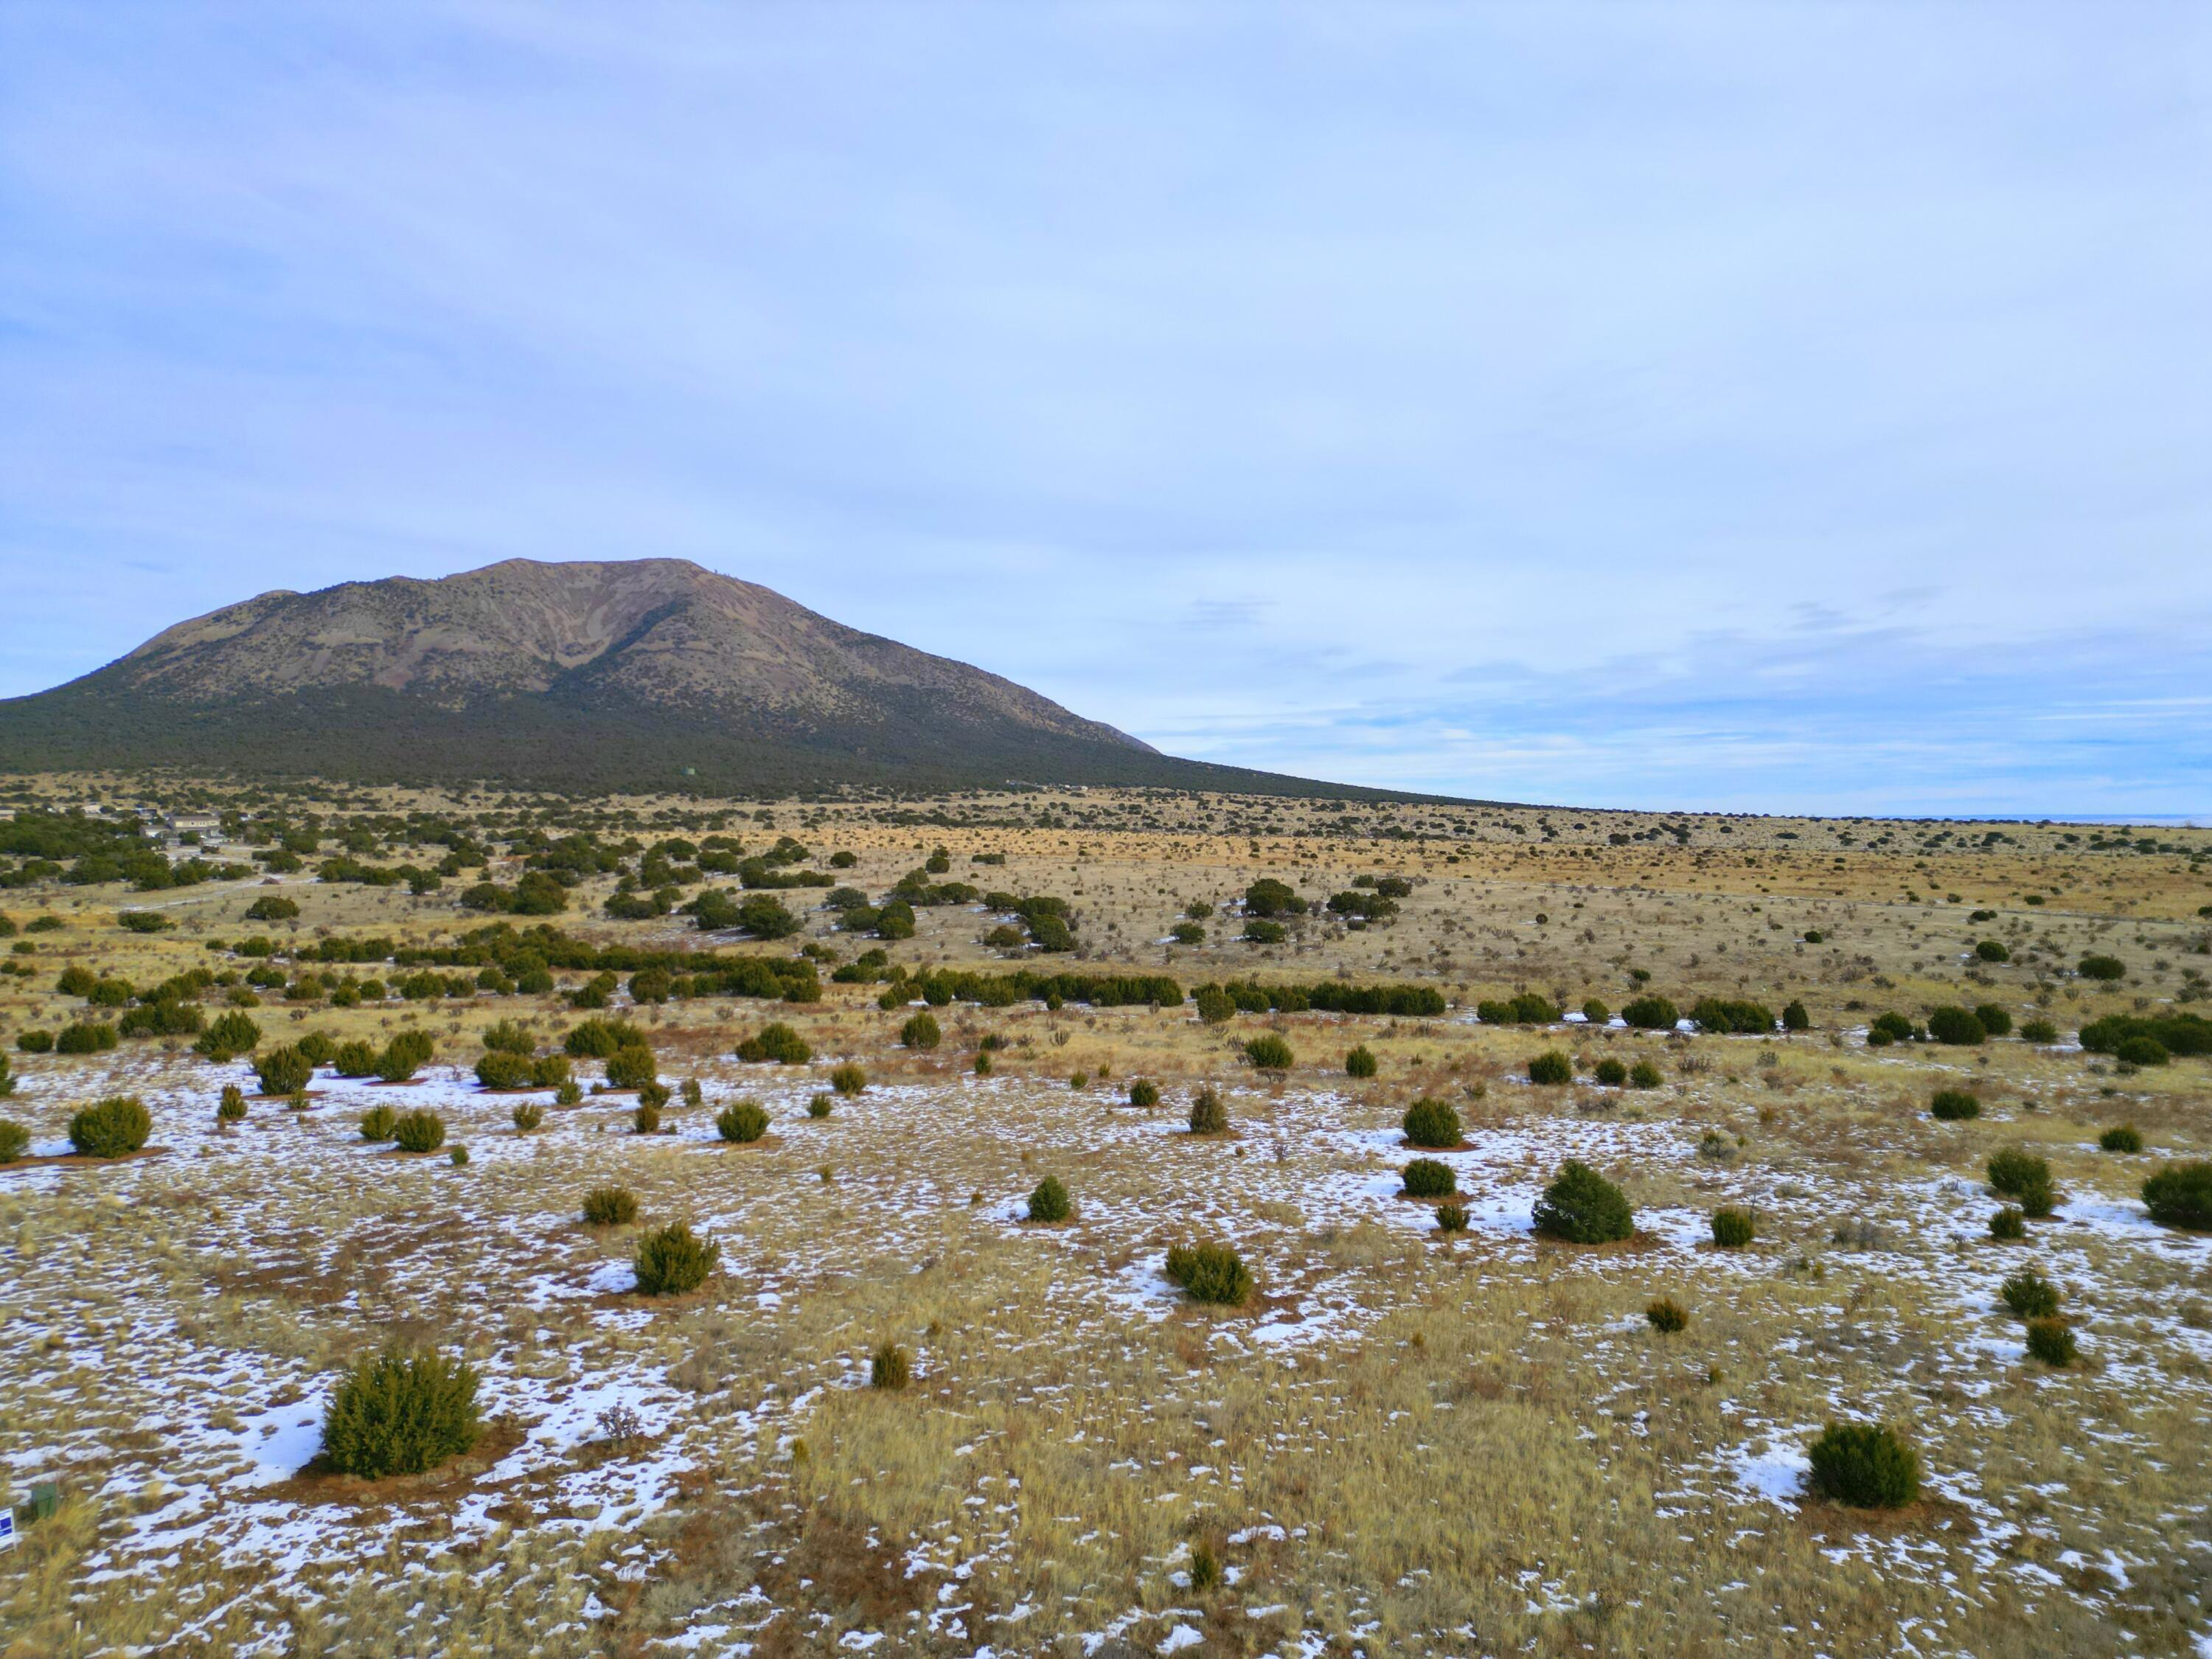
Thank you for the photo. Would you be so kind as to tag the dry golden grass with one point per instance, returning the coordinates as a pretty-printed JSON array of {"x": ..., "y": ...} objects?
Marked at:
[{"x": 1409, "y": 1443}]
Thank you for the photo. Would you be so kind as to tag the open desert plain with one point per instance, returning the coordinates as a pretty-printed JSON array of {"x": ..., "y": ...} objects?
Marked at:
[{"x": 887, "y": 1398}]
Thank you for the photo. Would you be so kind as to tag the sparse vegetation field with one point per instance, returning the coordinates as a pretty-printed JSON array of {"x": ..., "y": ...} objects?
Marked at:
[{"x": 740, "y": 1229}]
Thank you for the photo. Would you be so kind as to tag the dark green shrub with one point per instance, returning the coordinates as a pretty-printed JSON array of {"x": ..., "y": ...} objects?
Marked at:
[
  {"x": 1732, "y": 1014},
  {"x": 2029, "y": 1295},
  {"x": 2180, "y": 1195},
  {"x": 569, "y": 1094},
  {"x": 743, "y": 1122},
  {"x": 1188, "y": 933},
  {"x": 1144, "y": 1092},
  {"x": 1667, "y": 1316},
  {"x": 673, "y": 1263},
  {"x": 2052, "y": 1340},
  {"x": 1269, "y": 1053},
  {"x": 86, "y": 1037},
  {"x": 231, "y": 1106},
  {"x": 461, "y": 1157},
  {"x": 1551, "y": 1069},
  {"x": 549, "y": 1072},
  {"x": 355, "y": 1059},
  {"x": 818, "y": 1106},
  {"x": 2009, "y": 1225},
  {"x": 1429, "y": 1177},
  {"x": 1270, "y": 897},
  {"x": 1583, "y": 1207},
  {"x": 506, "y": 1037},
  {"x": 2140, "y": 1051},
  {"x": 15, "y": 1140},
  {"x": 1214, "y": 1004},
  {"x": 1643, "y": 1075},
  {"x": 2124, "y": 1138},
  {"x": 610, "y": 1206},
  {"x": 407, "y": 1053},
  {"x": 1210, "y": 1273},
  {"x": 1651, "y": 1013},
  {"x": 1451, "y": 1217},
  {"x": 1208, "y": 1116},
  {"x": 631, "y": 1068},
  {"x": 400, "y": 1413},
  {"x": 1991, "y": 949},
  {"x": 499, "y": 1069},
  {"x": 889, "y": 1367},
  {"x": 419, "y": 1132},
  {"x": 283, "y": 1071},
  {"x": 35, "y": 1042},
  {"x": 601, "y": 1039},
  {"x": 1260, "y": 932},
  {"x": 528, "y": 1115},
  {"x": 1994, "y": 1020},
  {"x": 226, "y": 1035},
  {"x": 654, "y": 1095},
  {"x": 2107, "y": 970},
  {"x": 116, "y": 1128},
  {"x": 1360, "y": 1062},
  {"x": 144, "y": 921},
  {"x": 1612, "y": 1073},
  {"x": 920, "y": 1031},
  {"x": 378, "y": 1123},
  {"x": 1049, "y": 1202},
  {"x": 1732, "y": 1229},
  {"x": 1954, "y": 1105},
  {"x": 1865, "y": 1465},
  {"x": 1956, "y": 1026},
  {"x": 1886, "y": 1029},
  {"x": 1431, "y": 1123},
  {"x": 646, "y": 1119},
  {"x": 776, "y": 1043},
  {"x": 1796, "y": 1017},
  {"x": 2038, "y": 1030},
  {"x": 849, "y": 1079},
  {"x": 2016, "y": 1173}
]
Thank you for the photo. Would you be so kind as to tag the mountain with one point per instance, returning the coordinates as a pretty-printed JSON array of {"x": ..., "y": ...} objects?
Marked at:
[{"x": 638, "y": 674}]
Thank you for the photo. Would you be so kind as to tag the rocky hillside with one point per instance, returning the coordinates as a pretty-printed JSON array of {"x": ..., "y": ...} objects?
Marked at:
[{"x": 641, "y": 673}]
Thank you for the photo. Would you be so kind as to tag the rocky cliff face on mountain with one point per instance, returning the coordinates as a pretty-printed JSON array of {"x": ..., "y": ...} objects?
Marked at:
[{"x": 642, "y": 673}]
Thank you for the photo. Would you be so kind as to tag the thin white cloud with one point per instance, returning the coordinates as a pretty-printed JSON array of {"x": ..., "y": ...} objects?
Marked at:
[{"x": 1301, "y": 389}]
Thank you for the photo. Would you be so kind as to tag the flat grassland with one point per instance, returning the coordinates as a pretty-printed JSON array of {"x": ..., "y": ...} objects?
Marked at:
[{"x": 1409, "y": 1440}]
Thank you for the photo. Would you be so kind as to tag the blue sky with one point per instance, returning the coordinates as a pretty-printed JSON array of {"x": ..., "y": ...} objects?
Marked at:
[{"x": 1780, "y": 408}]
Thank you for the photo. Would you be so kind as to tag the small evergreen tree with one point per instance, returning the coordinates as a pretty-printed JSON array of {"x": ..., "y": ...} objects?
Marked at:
[
  {"x": 116, "y": 1128},
  {"x": 400, "y": 1413},
  {"x": 1583, "y": 1207},
  {"x": 1431, "y": 1123},
  {"x": 673, "y": 1262},
  {"x": 1050, "y": 1202}
]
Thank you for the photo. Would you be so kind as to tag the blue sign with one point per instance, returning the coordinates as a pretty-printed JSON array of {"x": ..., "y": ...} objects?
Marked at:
[{"x": 7, "y": 1529}]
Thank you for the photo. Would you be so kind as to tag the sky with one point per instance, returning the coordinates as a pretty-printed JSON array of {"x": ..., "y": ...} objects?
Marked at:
[{"x": 1797, "y": 408}]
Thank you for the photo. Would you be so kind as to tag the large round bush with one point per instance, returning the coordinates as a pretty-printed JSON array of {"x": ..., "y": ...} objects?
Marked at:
[
  {"x": 1429, "y": 1177},
  {"x": 1865, "y": 1465},
  {"x": 745, "y": 1122},
  {"x": 2180, "y": 1195},
  {"x": 671, "y": 1262},
  {"x": 1431, "y": 1123},
  {"x": 1583, "y": 1207},
  {"x": 419, "y": 1132},
  {"x": 1551, "y": 1069},
  {"x": 1210, "y": 1273},
  {"x": 116, "y": 1128},
  {"x": 400, "y": 1413}
]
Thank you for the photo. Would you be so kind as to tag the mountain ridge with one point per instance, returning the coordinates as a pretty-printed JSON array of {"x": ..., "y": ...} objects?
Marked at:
[{"x": 590, "y": 675}]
